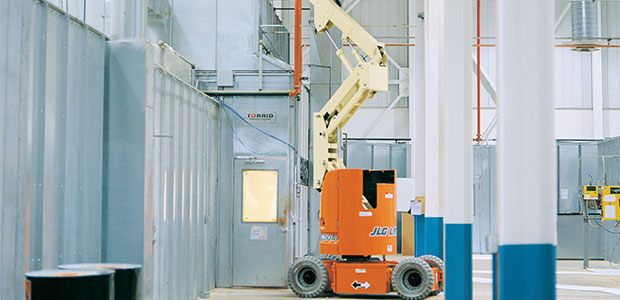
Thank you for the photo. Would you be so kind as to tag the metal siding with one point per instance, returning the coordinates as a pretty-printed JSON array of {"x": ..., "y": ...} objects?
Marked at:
[
  {"x": 14, "y": 90},
  {"x": 185, "y": 163},
  {"x": 611, "y": 73},
  {"x": 610, "y": 12},
  {"x": 484, "y": 223},
  {"x": 374, "y": 155},
  {"x": 387, "y": 20},
  {"x": 612, "y": 173},
  {"x": 51, "y": 82},
  {"x": 573, "y": 84}
]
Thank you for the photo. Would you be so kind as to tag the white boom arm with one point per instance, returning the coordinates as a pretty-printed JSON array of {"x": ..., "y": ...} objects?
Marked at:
[{"x": 369, "y": 76}]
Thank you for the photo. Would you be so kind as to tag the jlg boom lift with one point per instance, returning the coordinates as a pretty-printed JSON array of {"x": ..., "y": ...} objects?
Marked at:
[{"x": 358, "y": 207}]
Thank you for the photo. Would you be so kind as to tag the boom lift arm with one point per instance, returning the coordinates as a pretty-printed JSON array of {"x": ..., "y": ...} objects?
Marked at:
[{"x": 369, "y": 76}]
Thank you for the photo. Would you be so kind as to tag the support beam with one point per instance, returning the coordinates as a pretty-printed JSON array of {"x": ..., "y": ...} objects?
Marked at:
[
  {"x": 434, "y": 34},
  {"x": 485, "y": 80},
  {"x": 378, "y": 118},
  {"x": 417, "y": 82},
  {"x": 351, "y": 6},
  {"x": 526, "y": 151},
  {"x": 457, "y": 145},
  {"x": 562, "y": 16}
]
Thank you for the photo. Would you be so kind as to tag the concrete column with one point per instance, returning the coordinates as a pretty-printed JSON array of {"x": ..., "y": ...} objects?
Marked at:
[
  {"x": 526, "y": 161},
  {"x": 457, "y": 146},
  {"x": 433, "y": 61},
  {"x": 129, "y": 19},
  {"x": 416, "y": 83}
]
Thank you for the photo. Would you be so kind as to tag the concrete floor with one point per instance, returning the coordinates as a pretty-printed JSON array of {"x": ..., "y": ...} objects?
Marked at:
[{"x": 600, "y": 282}]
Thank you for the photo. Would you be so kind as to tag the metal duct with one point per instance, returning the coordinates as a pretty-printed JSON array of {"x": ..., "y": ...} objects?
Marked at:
[{"x": 585, "y": 20}]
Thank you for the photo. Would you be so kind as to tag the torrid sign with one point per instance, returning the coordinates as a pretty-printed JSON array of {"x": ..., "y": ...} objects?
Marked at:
[{"x": 265, "y": 116}]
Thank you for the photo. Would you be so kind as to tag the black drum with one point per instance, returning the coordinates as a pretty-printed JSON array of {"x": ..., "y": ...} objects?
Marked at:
[
  {"x": 126, "y": 278},
  {"x": 70, "y": 285}
]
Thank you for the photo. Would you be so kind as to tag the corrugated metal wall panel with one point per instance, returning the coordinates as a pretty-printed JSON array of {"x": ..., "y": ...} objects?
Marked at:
[
  {"x": 611, "y": 73},
  {"x": 387, "y": 21},
  {"x": 573, "y": 79},
  {"x": 51, "y": 82},
  {"x": 15, "y": 66},
  {"x": 378, "y": 155},
  {"x": 185, "y": 164},
  {"x": 611, "y": 172},
  {"x": 610, "y": 12}
]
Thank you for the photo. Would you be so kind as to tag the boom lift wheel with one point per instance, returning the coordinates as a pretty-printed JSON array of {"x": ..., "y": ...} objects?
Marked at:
[
  {"x": 330, "y": 257},
  {"x": 307, "y": 277},
  {"x": 435, "y": 263},
  {"x": 413, "y": 279}
]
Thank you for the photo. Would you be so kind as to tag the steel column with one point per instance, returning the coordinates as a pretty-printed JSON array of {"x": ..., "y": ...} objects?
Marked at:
[
  {"x": 457, "y": 146},
  {"x": 526, "y": 166},
  {"x": 434, "y": 35}
]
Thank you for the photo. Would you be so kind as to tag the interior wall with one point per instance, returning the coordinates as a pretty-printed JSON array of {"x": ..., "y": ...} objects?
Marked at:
[
  {"x": 160, "y": 178},
  {"x": 574, "y": 84},
  {"x": 51, "y": 128}
]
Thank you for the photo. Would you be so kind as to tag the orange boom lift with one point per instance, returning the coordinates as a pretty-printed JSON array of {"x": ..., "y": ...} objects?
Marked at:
[{"x": 358, "y": 207}]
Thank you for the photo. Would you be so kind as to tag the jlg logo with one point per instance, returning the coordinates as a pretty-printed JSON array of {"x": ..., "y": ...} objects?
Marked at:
[{"x": 383, "y": 231}]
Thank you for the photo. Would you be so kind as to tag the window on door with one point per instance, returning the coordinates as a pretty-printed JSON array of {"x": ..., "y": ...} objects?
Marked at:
[{"x": 260, "y": 196}]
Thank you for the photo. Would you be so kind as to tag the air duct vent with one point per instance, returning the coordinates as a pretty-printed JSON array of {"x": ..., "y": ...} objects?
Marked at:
[{"x": 585, "y": 34}]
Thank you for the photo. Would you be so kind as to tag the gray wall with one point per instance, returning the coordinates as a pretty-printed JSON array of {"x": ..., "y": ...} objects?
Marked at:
[
  {"x": 162, "y": 146},
  {"x": 51, "y": 131},
  {"x": 611, "y": 174},
  {"x": 378, "y": 155},
  {"x": 238, "y": 139}
]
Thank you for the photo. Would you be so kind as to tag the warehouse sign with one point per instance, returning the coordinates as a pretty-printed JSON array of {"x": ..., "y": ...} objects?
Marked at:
[{"x": 264, "y": 116}]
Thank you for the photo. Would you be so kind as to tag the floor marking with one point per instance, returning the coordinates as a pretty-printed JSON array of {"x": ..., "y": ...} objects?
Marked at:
[
  {"x": 591, "y": 272},
  {"x": 583, "y": 288}
]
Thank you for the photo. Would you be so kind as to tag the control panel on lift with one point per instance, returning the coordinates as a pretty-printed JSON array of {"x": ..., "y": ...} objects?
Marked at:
[{"x": 611, "y": 203}]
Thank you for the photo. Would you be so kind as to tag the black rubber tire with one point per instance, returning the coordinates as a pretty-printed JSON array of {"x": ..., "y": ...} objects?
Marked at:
[
  {"x": 307, "y": 277},
  {"x": 330, "y": 257},
  {"x": 435, "y": 262},
  {"x": 412, "y": 279}
]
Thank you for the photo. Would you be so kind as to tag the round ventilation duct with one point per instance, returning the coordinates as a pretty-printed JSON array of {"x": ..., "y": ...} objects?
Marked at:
[{"x": 585, "y": 24}]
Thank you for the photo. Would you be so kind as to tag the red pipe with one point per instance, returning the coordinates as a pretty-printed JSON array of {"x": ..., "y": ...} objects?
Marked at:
[
  {"x": 297, "y": 55},
  {"x": 478, "y": 137}
]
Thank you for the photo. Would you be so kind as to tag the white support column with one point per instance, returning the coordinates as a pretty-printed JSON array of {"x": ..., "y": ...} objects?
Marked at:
[
  {"x": 526, "y": 161},
  {"x": 433, "y": 55},
  {"x": 457, "y": 146},
  {"x": 417, "y": 83}
]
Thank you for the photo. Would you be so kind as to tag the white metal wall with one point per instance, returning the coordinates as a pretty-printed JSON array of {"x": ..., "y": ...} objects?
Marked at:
[
  {"x": 184, "y": 192},
  {"x": 574, "y": 77},
  {"x": 387, "y": 21},
  {"x": 51, "y": 132}
]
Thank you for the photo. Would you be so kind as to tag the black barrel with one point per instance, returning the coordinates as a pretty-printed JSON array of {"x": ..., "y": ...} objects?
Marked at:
[
  {"x": 126, "y": 278},
  {"x": 70, "y": 285}
]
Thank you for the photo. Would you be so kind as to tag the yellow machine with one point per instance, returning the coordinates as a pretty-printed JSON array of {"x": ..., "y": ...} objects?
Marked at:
[
  {"x": 590, "y": 192},
  {"x": 358, "y": 207},
  {"x": 610, "y": 203},
  {"x": 369, "y": 76}
]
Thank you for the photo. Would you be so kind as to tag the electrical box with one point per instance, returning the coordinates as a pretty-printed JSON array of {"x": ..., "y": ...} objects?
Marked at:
[
  {"x": 590, "y": 192},
  {"x": 611, "y": 203}
]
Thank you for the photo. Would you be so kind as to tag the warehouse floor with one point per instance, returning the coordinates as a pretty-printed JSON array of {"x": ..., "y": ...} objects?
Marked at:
[{"x": 573, "y": 282}]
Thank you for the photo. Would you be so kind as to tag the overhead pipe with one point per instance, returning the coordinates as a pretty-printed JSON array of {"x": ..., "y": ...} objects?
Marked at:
[
  {"x": 297, "y": 55},
  {"x": 478, "y": 72}
]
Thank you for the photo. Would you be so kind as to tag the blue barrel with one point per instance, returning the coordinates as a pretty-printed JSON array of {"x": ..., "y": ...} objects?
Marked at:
[
  {"x": 70, "y": 285},
  {"x": 126, "y": 277}
]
